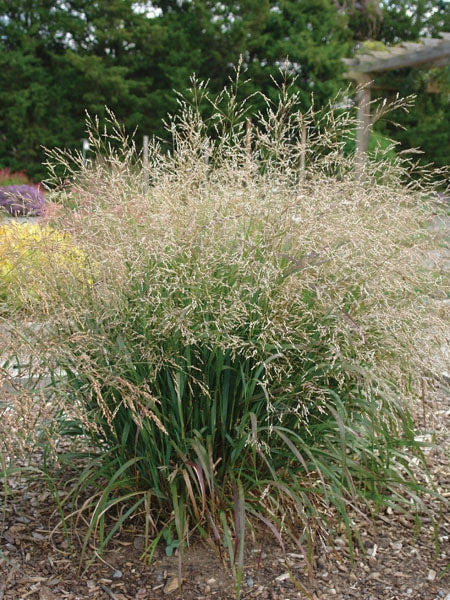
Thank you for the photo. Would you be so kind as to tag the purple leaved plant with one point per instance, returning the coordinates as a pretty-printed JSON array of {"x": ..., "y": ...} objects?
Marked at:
[{"x": 22, "y": 200}]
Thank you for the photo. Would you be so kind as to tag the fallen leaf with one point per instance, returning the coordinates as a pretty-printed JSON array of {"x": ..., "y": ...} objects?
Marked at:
[
  {"x": 172, "y": 585},
  {"x": 12, "y": 535},
  {"x": 46, "y": 593},
  {"x": 139, "y": 542}
]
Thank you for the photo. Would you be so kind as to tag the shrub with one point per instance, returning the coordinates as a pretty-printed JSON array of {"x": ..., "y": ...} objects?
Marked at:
[
  {"x": 254, "y": 333},
  {"x": 29, "y": 251},
  {"x": 22, "y": 200},
  {"x": 13, "y": 178}
]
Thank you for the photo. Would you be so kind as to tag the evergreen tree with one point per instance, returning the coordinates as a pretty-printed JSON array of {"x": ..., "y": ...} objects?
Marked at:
[
  {"x": 309, "y": 38},
  {"x": 427, "y": 124},
  {"x": 32, "y": 46},
  {"x": 59, "y": 58},
  {"x": 407, "y": 20}
]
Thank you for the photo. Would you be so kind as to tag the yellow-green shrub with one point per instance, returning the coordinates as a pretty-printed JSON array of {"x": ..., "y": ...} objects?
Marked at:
[{"x": 29, "y": 253}]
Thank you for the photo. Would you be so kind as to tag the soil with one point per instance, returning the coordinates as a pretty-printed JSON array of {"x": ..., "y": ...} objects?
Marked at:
[{"x": 396, "y": 561}]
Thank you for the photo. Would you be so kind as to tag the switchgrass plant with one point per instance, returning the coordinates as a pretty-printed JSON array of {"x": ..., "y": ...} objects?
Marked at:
[{"x": 255, "y": 331}]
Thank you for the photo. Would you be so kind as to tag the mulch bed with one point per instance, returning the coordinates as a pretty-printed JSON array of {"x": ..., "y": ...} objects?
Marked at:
[{"x": 394, "y": 564}]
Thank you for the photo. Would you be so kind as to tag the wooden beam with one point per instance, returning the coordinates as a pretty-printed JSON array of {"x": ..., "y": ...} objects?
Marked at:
[
  {"x": 439, "y": 62},
  {"x": 364, "y": 68},
  {"x": 417, "y": 56},
  {"x": 363, "y": 128},
  {"x": 426, "y": 41}
]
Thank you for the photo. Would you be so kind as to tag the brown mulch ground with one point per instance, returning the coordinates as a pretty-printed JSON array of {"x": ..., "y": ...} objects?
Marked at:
[{"x": 395, "y": 564}]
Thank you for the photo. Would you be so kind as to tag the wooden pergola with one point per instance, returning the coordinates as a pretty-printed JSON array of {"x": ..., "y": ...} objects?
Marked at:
[{"x": 364, "y": 68}]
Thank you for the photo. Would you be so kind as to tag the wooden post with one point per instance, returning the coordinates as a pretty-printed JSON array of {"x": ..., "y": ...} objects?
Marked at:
[
  {"x": 85, "y": 148},
  {"x": 145, "y": 160},
  {"x": 248, "y": 137},
  {"x": 248, "y": 148},
  {"x": 303, "y": 152},
  {"x": 206, "y": 152},
  {"x": 363, "y": 127},
  {"x": 145, "y": 153},
  {"x": 430, "y": 52}
]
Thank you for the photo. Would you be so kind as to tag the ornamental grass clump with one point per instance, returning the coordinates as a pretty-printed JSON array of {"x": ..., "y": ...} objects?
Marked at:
[{"x": 256, "y": 327}]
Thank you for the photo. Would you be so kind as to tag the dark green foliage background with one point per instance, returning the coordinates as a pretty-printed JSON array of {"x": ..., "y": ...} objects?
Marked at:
[{"x": 60, "y": 58}]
